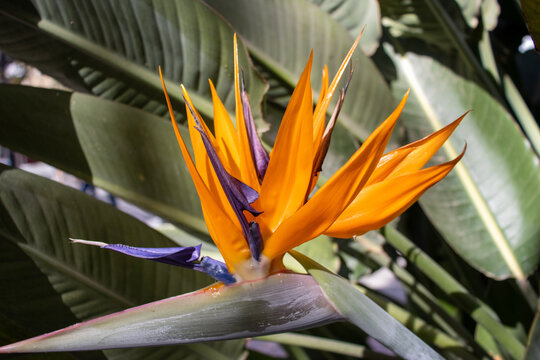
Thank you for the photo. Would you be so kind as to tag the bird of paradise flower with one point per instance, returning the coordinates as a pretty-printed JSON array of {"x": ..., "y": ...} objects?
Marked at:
[{"x": 259, "y": 205}]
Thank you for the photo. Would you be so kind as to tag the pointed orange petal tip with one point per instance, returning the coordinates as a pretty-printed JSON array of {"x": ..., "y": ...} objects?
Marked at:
[
  {"x": 184, "y": 91},
  {"x": 462, "y": 151},
  {"x": 168, "y": 100},
  {"x": 309, "y": 62},
  {"x": 397, "y": 111},
  {"x": 454, "y": 124},
  {"x": 235, "y": 51},
  {"x": 358, "y": 37}
]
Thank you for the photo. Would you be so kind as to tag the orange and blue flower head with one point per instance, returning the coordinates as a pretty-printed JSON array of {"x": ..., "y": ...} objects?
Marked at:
[{"x": 259, "y": 205}]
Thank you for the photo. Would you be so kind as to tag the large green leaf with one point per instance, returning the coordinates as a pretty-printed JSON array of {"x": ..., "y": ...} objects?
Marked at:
[
  {"x": 38, "y": 215},
  {"x": 21, "y": 283},
  {"x": 487, "y": 207},
  {"x": 354, "y": 16},
  {"x": 443, "y": 33},
  {"x": 278, "y": 303},
  {"x": 297, "y": 27},
  {"x": 22, "y": 41},
  {"x": 416, "y": 19},
  {"x": 117, "y": 48},
  {"x": 126, "y": 151}
]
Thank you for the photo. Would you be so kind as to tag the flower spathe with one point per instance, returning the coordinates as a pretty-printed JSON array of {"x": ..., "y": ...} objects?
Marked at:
[{"x": 257, "y": 205}]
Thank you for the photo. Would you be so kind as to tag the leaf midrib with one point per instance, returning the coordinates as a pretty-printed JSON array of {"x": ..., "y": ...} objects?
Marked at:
[
  {"x": 36, "y": 253},
  {"x": 123, "y": 66},
  {"x": 463, "y": 174}
]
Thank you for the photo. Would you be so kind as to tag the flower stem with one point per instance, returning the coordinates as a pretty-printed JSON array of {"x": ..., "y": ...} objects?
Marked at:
[
  {"x": 470, "y": 304},
  {"x": 420, "y": 295},
  {"x": 417, "y": 325},
  {"x": 324, "y": 344}
]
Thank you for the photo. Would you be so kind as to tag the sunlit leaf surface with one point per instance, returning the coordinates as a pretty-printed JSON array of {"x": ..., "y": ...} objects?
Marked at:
[
  {"x": 487, "y": 207},
  {"x": 114, "y": 49},
  {"x": 126, "y": 151},
  {"x": 278, "y": 303}
]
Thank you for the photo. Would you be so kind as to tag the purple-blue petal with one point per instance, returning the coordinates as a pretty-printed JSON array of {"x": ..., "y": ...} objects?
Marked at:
[
  {"x": 236, "y": 193},
  {"x": 248, "y": 192},
  {"x": 239, "y": 194},
  {"x": 258, "y": 152},
  {"x": 216, "y": 269},
  {"x": 255, "y": 241},
  {"x": 187, "y": 257},
  {"x": 179, "y": 256}
]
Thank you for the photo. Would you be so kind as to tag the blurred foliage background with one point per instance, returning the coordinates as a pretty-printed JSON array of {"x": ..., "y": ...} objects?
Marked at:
[{"x": 459, "y": 268}]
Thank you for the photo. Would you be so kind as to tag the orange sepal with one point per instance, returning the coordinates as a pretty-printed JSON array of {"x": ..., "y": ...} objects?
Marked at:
[
  {"x": 335, "y": 195},
  {"x": 202, "y": 161},
  {"x": 380, "y": 203},
  {"x": 225, "y": 135},
  {"x": 231, "y": 243},
  {"x": 247, "y": 167},
  {"x": 318, "y": 121},
  {"x": 199, "y": 151},
  {"x": 413, "y": 156},
  {"x": 319, "y": 115},
  {"x": 289, "y": 169}
]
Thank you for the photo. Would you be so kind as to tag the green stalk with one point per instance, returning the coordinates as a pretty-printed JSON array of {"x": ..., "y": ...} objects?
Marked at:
[
  {"x": 523, "y": 114},
  {"x": 487, "y": 58},
  {"x": 429, "y": 304},
  {"x": 470, "y": 304},
  {"x": 514, "y": 98},
  {"x": 420, "y": 327},
  {"x": 421, "y": 296},
  {"x": 298, "y": 352},
  {"x": 324, "y": 344}
]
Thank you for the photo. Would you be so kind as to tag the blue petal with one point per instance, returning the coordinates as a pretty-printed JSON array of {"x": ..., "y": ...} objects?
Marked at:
[
  {"x": 216, "y": 269},
  {"x": 258, "y": 152},
  {"x": 255, "y": 241},
  {"x": 179, "y": 256},
  {"x": 247, "y": 191},
  {"x": 187, "y": 257}
]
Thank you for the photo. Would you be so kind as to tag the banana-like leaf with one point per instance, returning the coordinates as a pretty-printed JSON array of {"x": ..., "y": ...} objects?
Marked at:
[
  {"x": 354, "y": 16},
  {"x": 38, "y": 216},
  {"x": 357, "y": 308},
  {"x": 487, "y": 208},
  {"x": 278, "y": 303},
  {"x": 298, "y": 27},
  {"x": 22, "y": 41},
  {"x": 126, "y": 151},
  {"x": 21, "y": 283},
  {"x": 416, "y": 19},
  {"x": 115, "y": 49}
]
